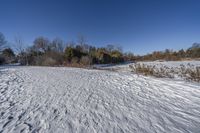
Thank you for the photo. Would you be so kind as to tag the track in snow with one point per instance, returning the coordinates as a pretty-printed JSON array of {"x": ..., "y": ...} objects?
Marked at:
[{"x": 45, "y": 99}]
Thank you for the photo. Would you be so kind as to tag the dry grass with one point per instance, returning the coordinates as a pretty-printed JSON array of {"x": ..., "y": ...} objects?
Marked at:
[{"x": 189, "y": 72}]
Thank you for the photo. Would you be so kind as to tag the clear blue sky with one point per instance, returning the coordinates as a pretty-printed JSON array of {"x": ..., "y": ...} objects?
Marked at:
[{"x": 140, "y": 26}]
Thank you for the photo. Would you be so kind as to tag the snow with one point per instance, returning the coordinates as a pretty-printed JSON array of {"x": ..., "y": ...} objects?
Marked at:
[
  {"x": 115, "y": 67},
  {"x": 179, "y": 70},
  {"x": 51, "y": 99},
  {"x": 157, "y": 64},
  {"x": 173, "y": 63},
  {"x": 182, "y": 70}
]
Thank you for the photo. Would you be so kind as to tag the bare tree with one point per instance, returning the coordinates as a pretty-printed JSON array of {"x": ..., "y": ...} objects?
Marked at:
[
  {"x": 41, "y": 44},
  {"x": 57, "y": 45},
  {"x": 119, "y": 48},
  {"x": 81, "y": 40},
  {"x": 83, "y": 43},
  {"x": 20, "y": 47},
  {"x": 110, "y": 47},
  {"x": 71, "y": 44},
  {"x": 2, "y": 42}
]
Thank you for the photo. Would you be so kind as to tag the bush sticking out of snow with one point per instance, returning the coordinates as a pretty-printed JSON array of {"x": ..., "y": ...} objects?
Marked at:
[{"x": 185, "y": 71}]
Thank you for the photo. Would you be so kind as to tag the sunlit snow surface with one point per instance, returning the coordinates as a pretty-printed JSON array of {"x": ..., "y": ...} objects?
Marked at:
[{"x": 50, "y": 99}]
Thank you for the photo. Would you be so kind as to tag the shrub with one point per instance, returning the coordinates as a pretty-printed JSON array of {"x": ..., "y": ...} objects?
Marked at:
[
  {"x": 69, "y": 53},
  {"x": 49, "y": 62},
  {"x": 74, "y": 60},
  {"x": 85, "y": 60},
  {"x": 189, "y": 72},
  {"x": 193, "y": 74},
  {"x": 146, "y": 70}
]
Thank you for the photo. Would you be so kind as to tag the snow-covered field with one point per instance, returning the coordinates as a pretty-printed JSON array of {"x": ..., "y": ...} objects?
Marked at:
[{"x": 45, "y": 99}]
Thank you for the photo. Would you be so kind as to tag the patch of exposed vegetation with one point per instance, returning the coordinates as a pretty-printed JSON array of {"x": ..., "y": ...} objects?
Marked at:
[{"x": 188, "y": 72}]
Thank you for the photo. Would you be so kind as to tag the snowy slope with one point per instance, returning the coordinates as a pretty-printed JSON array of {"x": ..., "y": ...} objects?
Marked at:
[{"x": 45, "y": 99}]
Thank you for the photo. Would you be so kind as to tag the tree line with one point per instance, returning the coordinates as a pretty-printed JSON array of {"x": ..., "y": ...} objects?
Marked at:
[
  {"x": 44, "y": 52},
  {"x": 169, "y": 55}
]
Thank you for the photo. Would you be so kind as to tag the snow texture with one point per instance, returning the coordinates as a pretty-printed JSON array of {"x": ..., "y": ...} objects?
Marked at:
[{"x": 56, "y": 100}]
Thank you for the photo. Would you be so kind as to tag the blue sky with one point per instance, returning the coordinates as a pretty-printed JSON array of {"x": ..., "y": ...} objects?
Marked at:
[{"x": 139, "y": 26}]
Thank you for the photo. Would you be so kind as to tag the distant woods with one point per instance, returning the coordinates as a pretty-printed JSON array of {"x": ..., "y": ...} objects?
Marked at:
[
  {"x": 170, "y": 55},
  {"x": 44, "y": 52}
]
